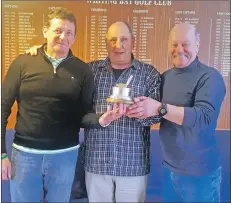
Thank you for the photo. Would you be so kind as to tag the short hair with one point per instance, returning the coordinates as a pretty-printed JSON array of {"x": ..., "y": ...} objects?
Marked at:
[
  {"x": 60, "y": 13},
  {"x": 126, "y": 24}
]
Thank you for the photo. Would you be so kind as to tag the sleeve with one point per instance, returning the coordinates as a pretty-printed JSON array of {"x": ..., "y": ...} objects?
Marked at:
[
  {"x": 153, "y": 91},
  {"x": 90, "y": 119},
  {"x": 10, "y": 90},
  {"x": 209, "y": 96}
]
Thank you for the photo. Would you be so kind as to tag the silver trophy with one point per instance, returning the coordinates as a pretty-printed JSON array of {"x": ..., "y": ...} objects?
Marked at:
[{"x": 121, "y": 93}]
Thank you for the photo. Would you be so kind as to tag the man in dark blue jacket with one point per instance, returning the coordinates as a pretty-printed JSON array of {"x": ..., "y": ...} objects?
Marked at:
[{"x": 192, "y": 94}]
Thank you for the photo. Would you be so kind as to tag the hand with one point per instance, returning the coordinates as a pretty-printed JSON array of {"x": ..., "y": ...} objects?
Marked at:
[
  {"x": 33, "y": 51},
  {"x": 114, "y": 112},
  {"x": 143, "y": 107},
  {"x": 6, "y": 169}
]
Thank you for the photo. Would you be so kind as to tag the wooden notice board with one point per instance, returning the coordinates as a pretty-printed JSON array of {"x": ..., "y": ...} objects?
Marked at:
[{"x": 22, "y": 23}]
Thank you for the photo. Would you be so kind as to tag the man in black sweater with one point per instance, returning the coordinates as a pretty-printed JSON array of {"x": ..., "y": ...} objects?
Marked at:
[
  {"x": 54, "y": 94},
  {"x": 192, "y": 94}
]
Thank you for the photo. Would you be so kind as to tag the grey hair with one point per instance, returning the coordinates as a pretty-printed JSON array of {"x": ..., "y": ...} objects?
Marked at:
[{"x": 197, "y": 36}]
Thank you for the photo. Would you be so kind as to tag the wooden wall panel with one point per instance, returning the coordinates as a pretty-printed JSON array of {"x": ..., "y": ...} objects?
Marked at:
[{"x": 22, "y": 22}]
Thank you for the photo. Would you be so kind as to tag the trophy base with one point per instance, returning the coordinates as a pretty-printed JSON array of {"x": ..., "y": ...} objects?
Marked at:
[{"x": 122, "y": 101}]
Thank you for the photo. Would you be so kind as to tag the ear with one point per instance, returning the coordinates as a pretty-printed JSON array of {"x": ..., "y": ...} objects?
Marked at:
[
  {"x": 45, "y": 32},
  {"x": 107, "y": 43},
  {"x": 197, "y": 46},
  {"x": 133, "y": 42},
  {"x": 73, "y": 40}
]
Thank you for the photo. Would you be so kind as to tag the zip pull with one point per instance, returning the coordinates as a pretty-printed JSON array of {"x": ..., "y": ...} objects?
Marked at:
[{"x": 54, "y": 70}]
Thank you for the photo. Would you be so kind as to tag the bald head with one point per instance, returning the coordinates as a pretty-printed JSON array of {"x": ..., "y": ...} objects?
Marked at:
[
  {"x": 119, "y": 25},
  {"x": 185, "y": 28},
  {"x": 120, "y": 43},
  {"x": 183, "y": 44}
]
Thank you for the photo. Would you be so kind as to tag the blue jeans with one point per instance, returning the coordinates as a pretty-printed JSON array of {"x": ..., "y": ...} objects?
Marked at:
[
  {"x": 42, "y": 177},
  {"x": 180, "y": 188}
]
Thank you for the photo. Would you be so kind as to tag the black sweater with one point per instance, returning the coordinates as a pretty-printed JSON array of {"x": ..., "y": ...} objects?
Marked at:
[{"x": 50, "y": 105}]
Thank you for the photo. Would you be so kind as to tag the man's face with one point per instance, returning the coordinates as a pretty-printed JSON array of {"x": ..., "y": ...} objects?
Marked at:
[
  {"x": 60, "y": 36},
  {"x": 183, "y": 47},
  {"x": 119, "y": 44}
]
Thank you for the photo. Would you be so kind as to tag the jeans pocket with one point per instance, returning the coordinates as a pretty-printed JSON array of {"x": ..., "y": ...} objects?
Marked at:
[
  {"x": 216, "y": 177},
  {"x": 13, "y": 163}
]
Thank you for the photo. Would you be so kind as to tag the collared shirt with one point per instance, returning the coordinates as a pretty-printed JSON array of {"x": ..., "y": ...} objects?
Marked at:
[
  {"x": 55, "y": 62},
  {"x": 122, "y": 148}
]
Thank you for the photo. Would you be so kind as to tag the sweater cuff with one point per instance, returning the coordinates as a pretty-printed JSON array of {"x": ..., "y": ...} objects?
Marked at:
[
  {"x": 97, "y": 125},
  {"x": 189, "y": 116}
]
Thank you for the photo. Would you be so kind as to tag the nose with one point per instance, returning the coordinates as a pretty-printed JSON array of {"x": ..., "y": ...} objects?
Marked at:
[
  {"x": 118, "y": 44},
  {"x": 179, "y": 48},
  {"x": 62, "y": 35}
]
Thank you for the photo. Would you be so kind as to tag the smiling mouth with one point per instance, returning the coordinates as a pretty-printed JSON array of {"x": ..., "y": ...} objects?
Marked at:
[
  {"x": 180, "y": 56},
  {"x": 61, "y": 44}
]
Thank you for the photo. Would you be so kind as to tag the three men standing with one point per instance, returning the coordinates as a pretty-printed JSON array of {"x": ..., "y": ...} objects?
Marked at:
[{"x": 117, "y": 156}]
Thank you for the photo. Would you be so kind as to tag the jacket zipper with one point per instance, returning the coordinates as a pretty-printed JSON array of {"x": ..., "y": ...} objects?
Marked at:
[{"x": 54, "y": 69}]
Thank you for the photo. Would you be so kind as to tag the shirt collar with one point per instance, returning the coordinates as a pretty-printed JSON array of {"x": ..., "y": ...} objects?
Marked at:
[{"x": 54, "y": 59}]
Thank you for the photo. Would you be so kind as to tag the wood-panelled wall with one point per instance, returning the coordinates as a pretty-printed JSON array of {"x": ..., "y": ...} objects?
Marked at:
[{"x": 151, "y": 22}]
